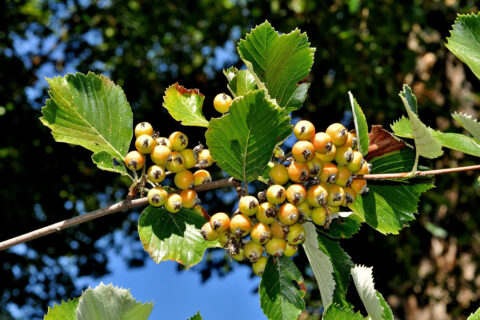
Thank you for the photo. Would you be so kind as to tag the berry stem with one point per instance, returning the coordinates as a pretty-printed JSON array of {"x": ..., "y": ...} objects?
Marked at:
[
  {"x": 380, "y": 176},
  {"x": 120, "y": 206},
  {"x": 285, "y": 157}
]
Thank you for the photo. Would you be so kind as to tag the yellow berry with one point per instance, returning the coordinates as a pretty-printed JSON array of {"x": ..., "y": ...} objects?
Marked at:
[
  {"x": 156, "y": 173},
  {"x": 222, "y": 102},
  {"x": 157, "y": 196},
  {"x": 253, "y": 251},
  {"x": 296, "y": 194},
  {"x": 200, "y": 211},
  {"x": 266, "y": 213},
  {"x": 162, "y": 141},
  {"x": 144, "y": 144},
  {"x": 184, "y": 179},
  {"x": 365, "y": 169},
  {"x": 319, "y": 215},
  {"x": 134, "y": 160},
  {"x": 160, "y": 154},
  {"x": 303, "y": 151},
  {"x": 328, "y": 156},
  {"x": 315, "y": 166},
  {"x": 296, "y": 234},
  {"x": 350, "y": 196},
  {"x": 288, "y": 214},
  {"x": 240, "y": 225},
  {"x": 276, "y": 194},
  {"x": 344, "y": 176},
  {"x": 275, "y": 247},
  {"x": 338, "y": 133},
  {"x": 279, "y": 230},
  {"x": 279, "y": 174},
  {"x": 304, "y": 130},
  {"x": 336, "y": 195},
  {"x": 298, "y": 172},
  {"x": 259, "y": 266},
  {"x": 344, "y": 155},
  {"x": 248, "y": 205},
  {"x": 189, "y": 198},
  {"x": 220, "y": 222},
  {"x": 175, "y": 162},
  {"x": 322, "y": 143},
  {"x": 304, "y": 211},
  {"x": 260, "y": 233},
  {"x": 240, "y": 255},
  {"x": 201, "y": 176},
  {"x": 190, "y": 160},
  {"x": 357, "y": 162},
  {"x": 290, "y": 250},
  {"x": 208, "y": 233},
  {"x": 143, "y": 128},
  {"x": 178, "y": 141},
  {"x": 204, "y": 159},
  {"x": 329, "y": 173},
  {"x": 317, "y": 195},
  {"x": 173, "y": 203}
]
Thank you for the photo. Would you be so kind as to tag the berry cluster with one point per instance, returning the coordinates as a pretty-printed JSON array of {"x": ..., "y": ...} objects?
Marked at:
[
  {"x": 170, "y": 156},
  {"x": 315, "y": 184}
]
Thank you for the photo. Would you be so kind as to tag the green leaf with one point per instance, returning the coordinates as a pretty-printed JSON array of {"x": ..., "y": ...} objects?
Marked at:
[
  {"x": 336, "y": 312},
  {"x": 64, "y": 311},
  {"x": 454, "y": 141},
  {"x": 425, "y": 145},
  {"x": 474, "y": 316},
  {"x": 469, "y": 124},
  {"x": 387, "y": 312},
  {"x": 197, "y": 316},
  {"x": 342, "y": 263},
  {"x": 92, "y": 112},
  {"x": 343, "y": 227},
  {"x": 176, "y": 236},
  {"x": 464, "y": 41},
  {"x": 185, "y": 105},
  {"x": 321, "y": 264},
  {"x": 298, "y": 97},
  {"x": 389, "y": 205},
  {"x": 240, "y": 82},
  {"x": 363, "y": 279},
  {"x": 242, "y": 142},
  {"x": 279, "y": 61},
  {"x": 281, "y": 289},
  {"x": 361, "y": 127},
  {"x": 111, "y": 303}
]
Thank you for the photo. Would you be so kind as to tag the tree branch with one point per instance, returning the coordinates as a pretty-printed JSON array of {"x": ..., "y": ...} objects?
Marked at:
[
  {"x": 380, "y": 176},
  {"x": 120, "y": 206}
]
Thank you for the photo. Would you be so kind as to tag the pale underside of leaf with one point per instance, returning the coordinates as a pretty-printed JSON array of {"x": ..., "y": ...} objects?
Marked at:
[
  {"x": 468, "y": 123},
  {"x": 363, "y": 279}
]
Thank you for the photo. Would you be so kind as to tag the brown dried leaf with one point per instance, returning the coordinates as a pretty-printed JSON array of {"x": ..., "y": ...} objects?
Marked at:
[{"x": 382, "y": 142}]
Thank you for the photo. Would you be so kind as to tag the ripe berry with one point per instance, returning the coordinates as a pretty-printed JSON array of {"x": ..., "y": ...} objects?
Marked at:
[
  {"x": 156, "y": 174},
  {"x": 288, "y": 214},
  {"x": 275, "y": 247},
  {"x": 331, "y": 210},
  {"x": 144, "y": 144},
  {"x": 266, "y": 213},
  {"x": 344, "y": 177},
  {"x": 259, "y": 266},
  {"x": 351, "y": 140},
  {"x": 134, "y": 160},
  {"x": 296, "y": 194},
  {"x": 175, "y": 162},
  {"x": 317, "y": 195},
  {"x": 199, "y": 210},
  {"x": 173, "y": 203},
  {"x": 248, "y": 205},
  {"x": 240, "y": 225},
  {"x": 296, "y": 235},
  {"x": 279, "y": 230},
  {"x": 304, "y": 211},
  {"x": 201, "y": 176},
  {"x": 162, "y": 141},
  {"x": 189, "y": 198},
  {"x": 204, "y": 159},
  {"x": 184, "y": 179},
  {"x": 178, "y": 141},
  {"x": 359, "y": 186},
  {"x": 160, "y": 154},
  {"x": 279, "y": 174},
  {"x": 303, "y": 151},
  {"x": 220, "y": 222},
  {"x": 143, "y": 128},
  {"x": 253, "y": 251},
  {"x": 190, "y": 160},
  {"x": 329, "y": 173},
  {"x": 276, "y": 194},
  {"x": 298, "y": 172},
  {"x": 157, "y": 196},
  {"x": 344, "y": 155},
  {"x": 336, "y": 195},
  {"x": 356, "y": 163},
  {"x": 319, "y": 215},
  {"x": 366, "y": 167},
  {"x": 290, "y": 250},
  {"x": 338, "y": 133},
  {"x": 322, "y": 143},
  {"x": 327, "y": 157},
  {"x": 349, "y": 196},
  {"x": 260, "y": 233},
  {"x": 208, "y": 233},
  {"x": 304, "y": 130},
  {"x": 222, "y": 102},
  {"x": 240, "y": 255},
  {"x": 315, "y": 166}
]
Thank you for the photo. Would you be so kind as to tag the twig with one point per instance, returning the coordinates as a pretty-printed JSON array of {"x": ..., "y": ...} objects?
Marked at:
[
  {"x": 380, "y": 176},
  {"x": 123, "y": 205}
]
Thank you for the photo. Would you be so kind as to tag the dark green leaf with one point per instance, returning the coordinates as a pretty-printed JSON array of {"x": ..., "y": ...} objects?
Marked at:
[
  {"x": 343, "y": 227},
  {"x": 64, "y": 311},
  {"x": 185, "y": 105},
  {"x": 240, "y": 82},
  {"x": 361, "y": 127},
  {"x": 197, "y": 316},
  {"x": 335, "y": 312},
  {"x": 242, "y": 142}
]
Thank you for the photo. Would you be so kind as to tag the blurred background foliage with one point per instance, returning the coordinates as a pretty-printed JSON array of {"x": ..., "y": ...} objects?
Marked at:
[{"x": 429, "y": 271}]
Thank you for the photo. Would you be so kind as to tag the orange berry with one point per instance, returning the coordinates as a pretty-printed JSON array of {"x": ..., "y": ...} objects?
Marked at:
[
  {"x": 178, "y": 141},
  {"x": 279, "y": 174},
  {"x": 220, "y": 222},
  {"x": 189, "y": 198},
  {"x": 304, "y": 130},
  {"x": 134, "y": 160},
  {"x": 322, "y": 143},
  {"x": 296, "y": 194},
  {"x": 260, "y": 233},
  {"x": 160, "y": 154},
  {"x": 201, "y": 176},
  {"x": 303, "y": 151},
  {"x": 288, "y": 214},
  {"x": 184, "y": 179},
  {"x": 240, "y": 225},
  {"x": 317, "y": 195},
  {"x": 338, "y": 133},
  {"x": 329, "y": 173},
  {"x": 298, "y": 172}
]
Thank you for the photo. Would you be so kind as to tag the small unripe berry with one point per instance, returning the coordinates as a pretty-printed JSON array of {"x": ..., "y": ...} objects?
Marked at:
[
  {"x": 319, "y": 215},
  {"x": 298, "y": 172},
  {"x": 222, "y": 102},
  {"x": 220, "y": 222},
  {"x": 162, "y": 141},
  {"x": 201, "y": 176},
  {"x": 253, "y": 251},
  {"x": 275, "y": 247},
  {"x": 184, "y": 179},
  {"x": 143, "y": 128},
  {"x": 315, "y": 166},
  {"x": 331, "y": 210},
  {"x": 144, "y": 144},
  {"x": 175, "y": 162},
  {"x": 260, "y": 233},
  {"x": 190, "y": 160},
  {"x": 322, "y": 143},
  {"x": 336, "y": 195},
  {"x": 204, "y": 159},
  {"x": 173, "y": 203},
  {"x": 160, "y": 154},
  {"x": 296, "y": 235},
  {"x": 303, "y": 151},
  {"x": 304, "y": 130},
  {"x": 156, "y": 173},
  {"x": 259, "y": 266},
  {"x": 266, "y": 213},
  {"x": 189, "y": 198},
  {"x": 344, "y": 155},
  {"x": 327, "y": 157},
  {"x": 208, "y": 233},
  {"x": 344, "y": 177},
  {"x": 276, "y": 194},
  {"x": 317, "y": 195},
  {"x": 240, "y": 256},
  {"x": 199, "y": 210},
  {"x": 350, "y": 196},
  {"x": 329, "y": 173},
  {"x": 290, "y": 250},
  {"x": 356, "y": 163},
  {"x": 338, "y": 133},
  {"x": 279, "y": 230},
  {"x": 279, "y": 174},
  {"x": 157, "y": 196},
  {"x": 304, "y": 211},
  {"x": 134, "y": 160},
  {"x": 288, "y": 214},
  {"x": 359, "y": 186},
  {"x": 296, "y": 194},
  {"x": 178, "y": 141},
  {"x": 240, "y": 225},
  {"x": 248, "y": 205}
]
